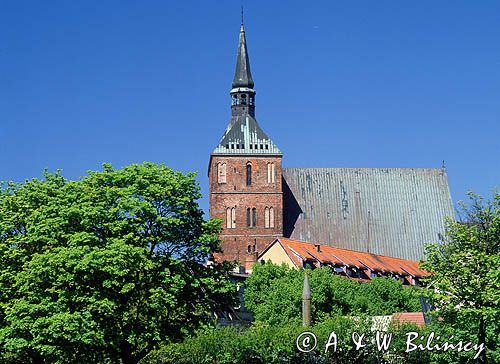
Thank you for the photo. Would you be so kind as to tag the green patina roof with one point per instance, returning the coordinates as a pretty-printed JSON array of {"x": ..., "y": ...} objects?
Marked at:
[{"x": 244, "y": 136}]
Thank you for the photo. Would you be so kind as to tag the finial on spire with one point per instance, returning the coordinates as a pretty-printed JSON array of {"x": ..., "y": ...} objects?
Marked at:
[{"x": 242, "y": 22}]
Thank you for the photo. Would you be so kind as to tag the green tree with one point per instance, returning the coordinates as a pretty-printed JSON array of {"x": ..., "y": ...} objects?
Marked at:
[
  {"x": 273, "y": 294},
  {"x": 465, "y": 273},
  {"x": 276, "y": 344},
  {"x": 104, "y": 268}
]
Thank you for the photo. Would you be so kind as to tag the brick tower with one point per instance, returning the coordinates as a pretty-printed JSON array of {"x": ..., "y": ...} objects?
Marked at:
[{"x": 245, "y": 175}]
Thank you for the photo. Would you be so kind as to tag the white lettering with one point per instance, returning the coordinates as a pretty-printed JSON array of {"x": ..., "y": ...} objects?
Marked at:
[
  {"x": 332, "y": 341},
  {"x": 357, "y": 339},
  {"x": 383, "y": 340},
  {"x": 410, "y": 336}
]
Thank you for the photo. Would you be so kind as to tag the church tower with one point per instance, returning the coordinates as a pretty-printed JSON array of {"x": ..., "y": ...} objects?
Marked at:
[{"x": 245, "y": 175}]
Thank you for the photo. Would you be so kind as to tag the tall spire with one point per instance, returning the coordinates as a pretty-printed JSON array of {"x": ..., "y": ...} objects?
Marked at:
[
  {"x": 243, "y": 134},
  {"x": 242, "y": 75}
]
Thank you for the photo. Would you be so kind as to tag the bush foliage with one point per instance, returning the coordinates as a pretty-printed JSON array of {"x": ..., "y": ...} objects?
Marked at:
[
  {"x": 276, "y": 344},
  {"x": 273, "y": 294}
]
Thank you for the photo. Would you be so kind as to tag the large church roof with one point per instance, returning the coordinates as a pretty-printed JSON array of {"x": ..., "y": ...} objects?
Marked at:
[{"x": 387, "y": 211}]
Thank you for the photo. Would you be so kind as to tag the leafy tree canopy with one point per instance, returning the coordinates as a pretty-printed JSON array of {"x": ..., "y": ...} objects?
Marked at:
[
  {"x": 104, "y": 268},
  {"x": 273, "y": 293},
  {"x": 465, "y": 269}
]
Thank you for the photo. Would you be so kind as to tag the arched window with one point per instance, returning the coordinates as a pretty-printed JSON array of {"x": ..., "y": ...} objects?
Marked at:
[
  {"x": 271, "y": 177},
  {"x": 228, "y": 218},
  {"x": 269, "y": 217},
  {"x": 231, "y": 217},
  {"x": 243, "y": 99},
  {"x": 249, "y": 249},
  {"x": 251, "y": 217},
  {"x": 249, "y": 174},
  {"x": 221, "y": 172}
]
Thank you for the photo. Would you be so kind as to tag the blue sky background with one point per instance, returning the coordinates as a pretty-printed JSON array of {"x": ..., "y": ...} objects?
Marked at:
[{"x": 339, "y": 84}]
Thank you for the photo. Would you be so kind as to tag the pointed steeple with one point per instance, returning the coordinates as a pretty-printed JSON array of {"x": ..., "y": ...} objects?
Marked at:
[
  {"x": 242, "y": 74},
  {"x": 243, "y": 134}
]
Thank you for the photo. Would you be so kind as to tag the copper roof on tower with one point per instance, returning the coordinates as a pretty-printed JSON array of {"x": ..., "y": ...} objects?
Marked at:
[{"x": 243, "y": 134}]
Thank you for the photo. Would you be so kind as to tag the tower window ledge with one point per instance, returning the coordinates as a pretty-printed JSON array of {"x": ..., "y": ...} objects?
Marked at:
[{"x": 242, "y": 89}]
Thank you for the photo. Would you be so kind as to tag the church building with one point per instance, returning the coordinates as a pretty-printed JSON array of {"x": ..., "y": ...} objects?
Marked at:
[{"x": 392, "y": 212}]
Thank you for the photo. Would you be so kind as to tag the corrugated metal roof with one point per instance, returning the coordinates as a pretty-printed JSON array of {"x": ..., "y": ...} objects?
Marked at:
[{"x": 387, "y": 211}]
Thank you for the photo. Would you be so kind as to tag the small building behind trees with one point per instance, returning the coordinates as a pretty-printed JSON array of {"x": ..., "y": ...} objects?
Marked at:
[{"x": 348, "y": 263}]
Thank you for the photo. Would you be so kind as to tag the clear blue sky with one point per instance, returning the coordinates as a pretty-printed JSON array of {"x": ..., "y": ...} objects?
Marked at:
[{"x": 339, "y": 84}]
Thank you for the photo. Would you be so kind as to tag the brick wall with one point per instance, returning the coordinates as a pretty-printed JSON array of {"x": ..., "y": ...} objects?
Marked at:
[{"x": 235, "y": 193}]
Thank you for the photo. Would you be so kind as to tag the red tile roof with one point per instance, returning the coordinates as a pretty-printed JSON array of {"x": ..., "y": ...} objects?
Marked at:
[
  {"x": 416, "y": 318},
  {"x": 299, "y": 252}
]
